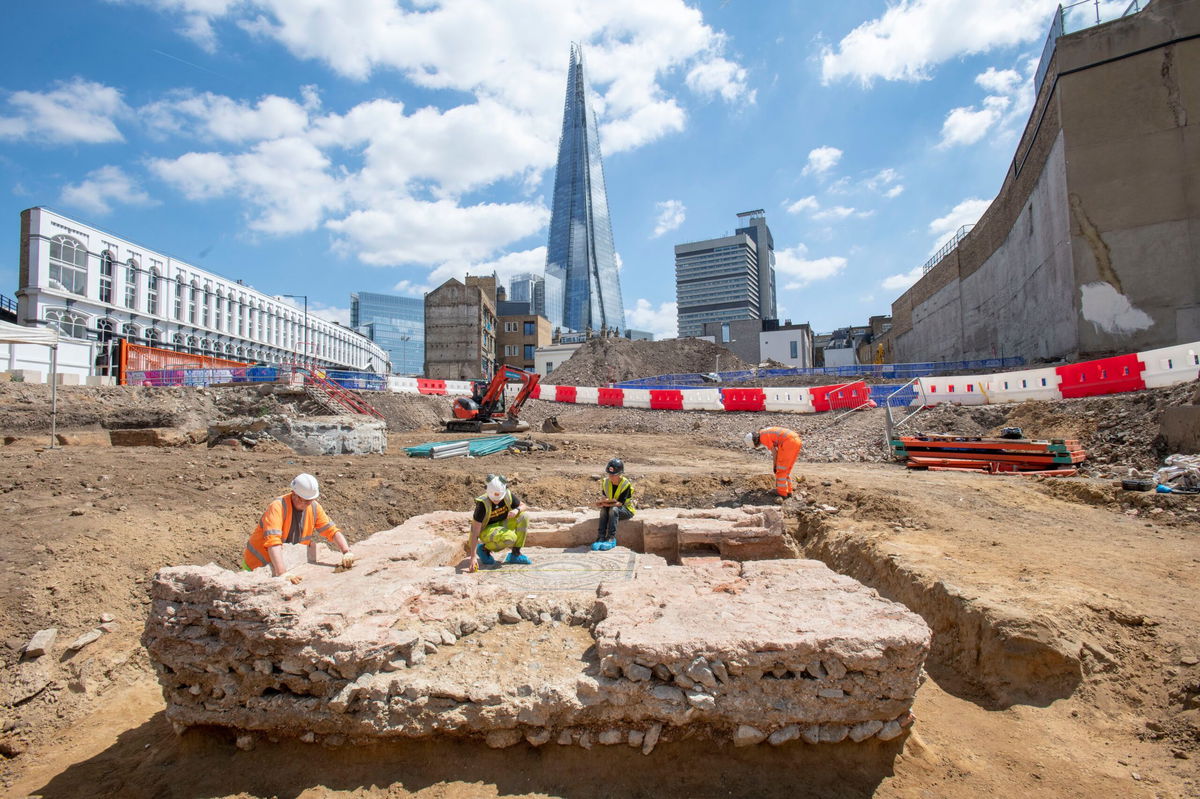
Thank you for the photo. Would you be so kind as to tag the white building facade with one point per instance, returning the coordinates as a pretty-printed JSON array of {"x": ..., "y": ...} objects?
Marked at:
[{"x": 95, "y": 286}]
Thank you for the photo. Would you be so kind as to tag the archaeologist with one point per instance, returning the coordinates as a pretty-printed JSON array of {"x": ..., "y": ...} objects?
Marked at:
[
  {"x": 617, "y": 504},
  {"x": 499, "y": 523},
  {"x": 786, "y": 445},
  {"x": 294, "y": 518}
]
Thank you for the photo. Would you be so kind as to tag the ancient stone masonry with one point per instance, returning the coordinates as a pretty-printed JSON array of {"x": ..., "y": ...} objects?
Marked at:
[{"x": 623, "y": 649}]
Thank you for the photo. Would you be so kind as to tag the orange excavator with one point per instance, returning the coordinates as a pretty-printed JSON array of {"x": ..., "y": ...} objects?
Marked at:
[{"x": 484, "y": 410}]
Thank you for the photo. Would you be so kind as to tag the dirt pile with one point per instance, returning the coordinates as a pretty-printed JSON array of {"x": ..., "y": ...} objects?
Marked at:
[{"x": 601, "y": 361}]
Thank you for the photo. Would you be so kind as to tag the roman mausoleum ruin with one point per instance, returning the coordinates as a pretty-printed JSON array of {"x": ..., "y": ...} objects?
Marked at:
[{"x": 702, "y": 622}]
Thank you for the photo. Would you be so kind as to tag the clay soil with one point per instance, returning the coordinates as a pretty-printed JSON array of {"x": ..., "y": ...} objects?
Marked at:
[{"x": 1064, "y": 614}]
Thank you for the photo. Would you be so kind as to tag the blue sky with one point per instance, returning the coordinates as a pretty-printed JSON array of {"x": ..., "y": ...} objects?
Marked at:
[{"x": 329, "y": 146}]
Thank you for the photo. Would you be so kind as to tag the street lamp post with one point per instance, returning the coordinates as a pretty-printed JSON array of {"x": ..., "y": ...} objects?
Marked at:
[
  {"x": 404, "y": 350},
  {"x": 304, "y": 344}
]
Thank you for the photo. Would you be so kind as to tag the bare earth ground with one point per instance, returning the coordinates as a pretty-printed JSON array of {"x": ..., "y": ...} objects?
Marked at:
[{"x": 1064, "y": 614}]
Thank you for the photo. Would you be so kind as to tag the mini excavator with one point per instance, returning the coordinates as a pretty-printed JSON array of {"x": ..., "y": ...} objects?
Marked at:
[{"x": 484, "y": 410}]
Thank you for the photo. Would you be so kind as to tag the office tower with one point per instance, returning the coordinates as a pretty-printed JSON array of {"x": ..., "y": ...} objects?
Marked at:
[
  {"x": 395, "y": 323},
  {"x": 716, "y": 280},
  {"x": 756, "y": 228},
  {"x": 583, "y": 289}
]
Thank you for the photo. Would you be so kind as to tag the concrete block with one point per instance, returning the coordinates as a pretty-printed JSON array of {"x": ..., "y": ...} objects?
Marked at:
[
  {"x": 100, "y": 380},
  {"x": 69, "y": 379},
  {"x": 28, "y": 376}
]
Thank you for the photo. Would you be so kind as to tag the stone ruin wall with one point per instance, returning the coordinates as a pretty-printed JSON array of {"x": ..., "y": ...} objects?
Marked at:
[{"x": 402, "y": 646}]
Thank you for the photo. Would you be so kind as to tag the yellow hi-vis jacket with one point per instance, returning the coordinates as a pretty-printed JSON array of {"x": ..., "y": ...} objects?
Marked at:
[
  {"x": 614, "y": 491},
  {"x": 275, "y": 523}
]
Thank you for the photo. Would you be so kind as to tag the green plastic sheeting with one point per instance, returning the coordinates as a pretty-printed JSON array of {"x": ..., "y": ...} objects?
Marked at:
[{"x": 487, "y": 445}]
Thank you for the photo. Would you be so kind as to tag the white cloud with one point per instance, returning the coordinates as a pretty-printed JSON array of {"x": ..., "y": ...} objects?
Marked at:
[
  {"x": 913, "y": 36},
  {"x": 886, "y": 182},
  {"x": 103, "y": 187},
  {"x": 966, "y": 212},
  {"x": 804, "y": 204},
  {"x": 999, "y": 81},
  {"x": 671, "y": 214},
  {"x": 821, "y": 160},
  {"x": 903, "y": 281},
  {"x": 834, "y": 214},
  {"x": 661, "y": 320},
  {"x": 218, "y": 117},
  {"x": 720, "y": 77},
  {"x": 331, "y": 314},
  {"x": 894, "y": 191},
  {"x": 76, "y": 111},
  {"x": 967, "y": 126},
  {"x": 800, "y": 270}
]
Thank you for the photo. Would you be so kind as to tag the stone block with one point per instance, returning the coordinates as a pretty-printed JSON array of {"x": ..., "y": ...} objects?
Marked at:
[
  {"x": 364, "y": 654},
  {"x": 84, "y": 438},
  {"x": 41, "y": 642},
  {"x": 69, "y": 379},
  {"x": 100, "y": 380},
  {"x": 149, "y": 437}
]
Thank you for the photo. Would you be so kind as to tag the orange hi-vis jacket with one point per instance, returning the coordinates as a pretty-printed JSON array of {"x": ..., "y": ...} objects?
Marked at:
[
  {"x": 786, "y": 446},
  {"x": 773, "y": 437},
  {"x": 275, "y": 523}
]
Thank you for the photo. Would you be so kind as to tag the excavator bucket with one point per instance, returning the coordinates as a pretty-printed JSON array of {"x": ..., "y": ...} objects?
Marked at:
[{"x": 551, "y": 425}]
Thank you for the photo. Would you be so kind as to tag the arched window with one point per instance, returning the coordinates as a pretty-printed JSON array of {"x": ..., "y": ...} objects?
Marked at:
[
  {"x": 131, "y": 270},
  {"x": 67, "y": 322},
  {"x": 152, "y": 335},
  {"x": 179, "y": 342},
  {"x": 68, "y": 264},
  {"x": 130, "y": 330},
  {"x": 152, "y": 292},
  {"x": 205, "y": 344},
  {"x": 240, "y": 352},
  {"x": 105, "y": 329},
  {"x": 179, "y": 289},
  {"x": 106, "y": 276},
  {"x": 193, "y": 344}
]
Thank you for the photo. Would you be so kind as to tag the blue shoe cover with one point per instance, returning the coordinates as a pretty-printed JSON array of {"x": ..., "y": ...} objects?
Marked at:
[
  {"x": 518, "y": 559},
  {"x": 607, "y": 545},
  {"x": 597, "y": 545},
  {"x": 485, "y": 557}
]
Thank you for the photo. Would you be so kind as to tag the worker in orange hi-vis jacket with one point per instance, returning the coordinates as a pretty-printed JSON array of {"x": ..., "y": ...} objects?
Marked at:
[
  {"x": 294, "y": 518},
  {"x": 786, "y": 445}
]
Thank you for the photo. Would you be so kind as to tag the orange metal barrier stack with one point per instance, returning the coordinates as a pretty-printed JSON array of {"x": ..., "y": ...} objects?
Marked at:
[{"x": 139, "y": 358}]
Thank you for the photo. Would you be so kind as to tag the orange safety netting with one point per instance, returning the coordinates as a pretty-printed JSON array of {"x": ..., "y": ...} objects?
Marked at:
[{"x": 138, "y": 358}]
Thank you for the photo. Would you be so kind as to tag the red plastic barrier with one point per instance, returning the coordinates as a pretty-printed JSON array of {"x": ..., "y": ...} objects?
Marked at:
[
  {"x": 849, "y": 395},
  {"x": 537, "y": 392},
  {"x": 666, "y": 400},
  {"x": 1105, "y": 376},
  {"x": 744, "y": 399},
  {"x": 427, "y": 386},
  {"x": 614, "y": 397},
  {"x": 564, "y": 393}
]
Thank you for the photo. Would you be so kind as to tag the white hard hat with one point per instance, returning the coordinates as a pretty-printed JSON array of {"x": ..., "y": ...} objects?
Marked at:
[
  {"x": 497, "y": 487},
  {"x": 750, "y": 440},
  {"x": 305, "y": 486}
]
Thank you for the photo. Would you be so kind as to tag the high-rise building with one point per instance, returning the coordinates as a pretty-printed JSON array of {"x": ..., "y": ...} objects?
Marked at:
[
  {"x": 395, "y": 323},
  {"x": 582, "y": 288},
  {"x": 726, "y": 279},
  {"x": 531, "y": 288},
  {"x": 756, "y": 228}
]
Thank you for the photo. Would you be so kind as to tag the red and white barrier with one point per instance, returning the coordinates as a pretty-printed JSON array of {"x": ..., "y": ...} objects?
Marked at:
[{"x": 1151, "y": 369}]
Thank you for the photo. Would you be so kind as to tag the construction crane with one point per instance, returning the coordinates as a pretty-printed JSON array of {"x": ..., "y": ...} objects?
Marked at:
[{"x": 484, "y": 410}]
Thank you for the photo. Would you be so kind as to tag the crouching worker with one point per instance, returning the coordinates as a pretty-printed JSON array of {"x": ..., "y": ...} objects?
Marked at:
[
  {"x": 294, "y": 518},
  {"x": 617, "y": 504},
  {"x": 499, "y": 523},
  {"x": 785, "y": 444}
]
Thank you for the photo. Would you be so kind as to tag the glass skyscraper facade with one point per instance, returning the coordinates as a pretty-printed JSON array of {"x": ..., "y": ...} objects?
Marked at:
[
  {"x": 395, "y": 323},
  {"x": 582, "y": 288}
]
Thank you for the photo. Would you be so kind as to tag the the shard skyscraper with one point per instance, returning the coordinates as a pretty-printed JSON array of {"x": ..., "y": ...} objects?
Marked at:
[{"x": 583, "y": 289}]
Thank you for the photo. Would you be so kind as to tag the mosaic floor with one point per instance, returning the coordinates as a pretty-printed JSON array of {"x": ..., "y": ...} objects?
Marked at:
[{"x": 555, "y": 570}]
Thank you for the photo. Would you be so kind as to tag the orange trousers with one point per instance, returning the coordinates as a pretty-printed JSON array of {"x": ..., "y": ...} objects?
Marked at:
[{"x": 785, "y": 458}]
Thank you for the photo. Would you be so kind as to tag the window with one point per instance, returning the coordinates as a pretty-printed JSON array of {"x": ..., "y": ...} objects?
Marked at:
[
  {"x": 106, "y": 276},
  {"x": 178, "y": 342},
  {"x": 529, "y": 348},
  {"x": 531, "y": 328},
  {"x": 106, "y": 329},
  {"x": 207, "y": 305},
  {"x": 219, "y": 308},
  {"x": 794, "y": 349},
  {"x": 152, "y": 335},
  {"x": 131, "y": 270},
  {"x": 68, "y": 264},
  {"x": 69, "y": 323},
  {"x": 130, "y": 330},
  {"x": 179, "y": 297},
  {"x": 193, "y": 299},
  {"x": 724, "y": 332},
  {"x": 152, "y": 292},
  {"x": 510, "y": 327}
]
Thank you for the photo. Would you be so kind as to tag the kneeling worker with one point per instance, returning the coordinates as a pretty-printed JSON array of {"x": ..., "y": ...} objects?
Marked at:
[
  {"x": 294, "y": 518},
  {"x": 617, "y": 504},
  {"x": 499, "y": 523},
  {"x": 786, "y": 445}
]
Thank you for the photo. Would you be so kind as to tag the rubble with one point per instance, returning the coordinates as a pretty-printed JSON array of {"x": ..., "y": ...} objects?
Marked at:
[
  {"x": 404, "y": 646},
  {"x": 600, "y": 361},
  {"x": 41, "y": 643}
]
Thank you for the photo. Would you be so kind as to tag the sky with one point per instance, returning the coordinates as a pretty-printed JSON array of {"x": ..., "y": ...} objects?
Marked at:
[{"x": 323, "y": 147}]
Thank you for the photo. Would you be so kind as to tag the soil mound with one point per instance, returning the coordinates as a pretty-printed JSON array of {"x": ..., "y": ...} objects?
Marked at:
[{"x": 601, "y": 361}]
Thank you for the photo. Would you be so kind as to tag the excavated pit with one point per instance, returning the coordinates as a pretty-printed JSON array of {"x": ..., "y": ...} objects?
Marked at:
[
  {"x": 579, "y": 648},
  {"x": 1007, "y": 656}
]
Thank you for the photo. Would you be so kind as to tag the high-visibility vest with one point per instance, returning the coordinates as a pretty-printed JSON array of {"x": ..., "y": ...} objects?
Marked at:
[
  {"x": 276, "y": 522},
  {"x": 612, "y": 492},
  {"x": 772, "y": 437},
  {"x": 489, "y": 507}
]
